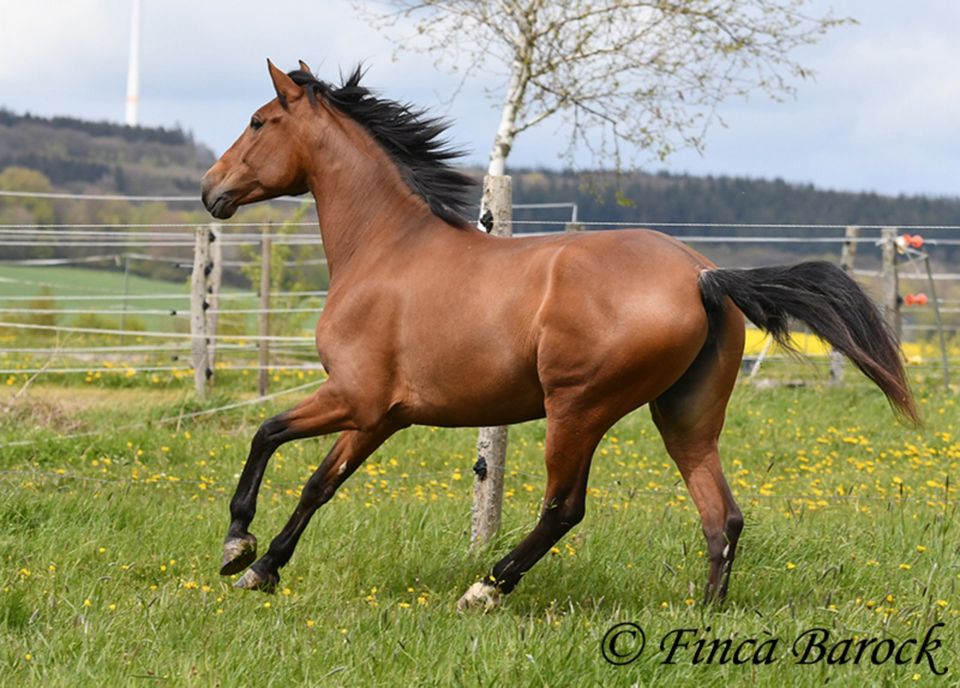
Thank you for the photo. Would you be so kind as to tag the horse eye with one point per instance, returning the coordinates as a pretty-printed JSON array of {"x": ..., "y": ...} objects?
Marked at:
[{"x": 255, "y": 124}]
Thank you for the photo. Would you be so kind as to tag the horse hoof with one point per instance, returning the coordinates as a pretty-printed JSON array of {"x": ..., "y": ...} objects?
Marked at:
[
  {"x": 238, "y": 554},
  {"x": 479, "y": 596},
  {"x": 251, "y": 580}
]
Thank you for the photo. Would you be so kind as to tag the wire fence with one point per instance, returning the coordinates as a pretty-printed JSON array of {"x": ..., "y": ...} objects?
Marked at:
[{"x": 87, "y": 324}]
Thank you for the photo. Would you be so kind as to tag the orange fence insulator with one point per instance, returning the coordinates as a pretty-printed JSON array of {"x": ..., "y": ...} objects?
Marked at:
[{"x": 915, "y": 299}]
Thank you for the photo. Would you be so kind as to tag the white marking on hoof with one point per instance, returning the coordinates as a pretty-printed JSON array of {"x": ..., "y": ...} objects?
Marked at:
[
  {"x": 480, "y": 596},
  {"x": 251, "y": 580}
]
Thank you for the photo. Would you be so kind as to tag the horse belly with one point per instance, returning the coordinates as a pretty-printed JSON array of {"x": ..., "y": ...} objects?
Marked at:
[{"x": 472, "y": 386}]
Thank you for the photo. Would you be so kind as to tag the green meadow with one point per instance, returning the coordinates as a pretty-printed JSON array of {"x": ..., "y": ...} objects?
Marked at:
[{"x": 112, "y": 517}]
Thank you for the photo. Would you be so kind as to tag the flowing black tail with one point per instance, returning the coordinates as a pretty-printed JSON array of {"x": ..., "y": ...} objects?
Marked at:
[{"x": 830, "y": 303}]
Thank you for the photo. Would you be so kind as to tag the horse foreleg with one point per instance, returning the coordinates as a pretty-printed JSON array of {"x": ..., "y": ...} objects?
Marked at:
[
  {"x": 569, "y": 450},
  {"x": 320, "y": 414},
  {"x": 348, "y": 453}
]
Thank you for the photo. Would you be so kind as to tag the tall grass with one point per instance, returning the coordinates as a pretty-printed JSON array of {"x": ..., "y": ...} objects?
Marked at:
[{"x": 111, "y": 542}]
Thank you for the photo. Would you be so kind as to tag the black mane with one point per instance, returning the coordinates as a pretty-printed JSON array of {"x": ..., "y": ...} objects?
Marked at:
[{"x": 409, "y": 136}]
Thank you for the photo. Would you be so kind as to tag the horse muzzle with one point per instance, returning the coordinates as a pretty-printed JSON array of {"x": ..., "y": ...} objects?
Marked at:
[{"x": 218, "y": 202}]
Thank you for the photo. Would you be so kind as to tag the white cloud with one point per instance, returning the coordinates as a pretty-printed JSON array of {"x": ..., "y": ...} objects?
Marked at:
[{"x": 880, "y": 115}]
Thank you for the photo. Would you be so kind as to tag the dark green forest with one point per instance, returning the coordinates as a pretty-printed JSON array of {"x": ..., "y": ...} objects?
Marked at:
[{"x": 67, "y": 154}]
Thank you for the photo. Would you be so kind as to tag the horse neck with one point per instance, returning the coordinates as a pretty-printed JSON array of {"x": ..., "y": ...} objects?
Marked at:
[{"x": 363, "y": 204}]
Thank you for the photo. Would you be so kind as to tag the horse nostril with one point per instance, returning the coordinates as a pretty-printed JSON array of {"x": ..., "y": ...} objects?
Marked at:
[{"x": 207, "y": 195}]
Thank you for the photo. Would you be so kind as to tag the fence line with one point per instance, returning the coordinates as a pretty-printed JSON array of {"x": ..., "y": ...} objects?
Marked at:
[
  {"x": 170, "y": 419},
  {"x": 157, "y": 369},
  {"x": 147, "y": 333},
  {"x": 151, "y": 311},
  {"x": 91, "y": 236},
  {"x": 588, "y": 223},
  {"x": 119, "y": 297},
  {"x": 56, "y": 195}
]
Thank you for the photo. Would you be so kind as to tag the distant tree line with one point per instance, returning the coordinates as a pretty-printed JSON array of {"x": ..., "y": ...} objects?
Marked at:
[
  {"x": 666, "y": 197},
  {"x": 66, "y": 154},
  {"x": 168, "y": 137}
]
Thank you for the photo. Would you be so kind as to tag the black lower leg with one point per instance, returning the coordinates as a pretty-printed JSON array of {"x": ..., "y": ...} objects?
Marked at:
[
  {"x": 317, "y": 492},
  {"x": 243, "y": 506},
  {"x": 555, "y": 522},
  {"x": 346, "y": 455},
  {"x": 732, "y": 530},
  {"x": 722, "y": 550}
]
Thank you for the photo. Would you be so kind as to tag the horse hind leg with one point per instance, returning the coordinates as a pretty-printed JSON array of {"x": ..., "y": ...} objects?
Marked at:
[
  {"x": 722, "y": 520},
  {"x": 690, "y": 417},
  {"x": 570, "y": 444}
]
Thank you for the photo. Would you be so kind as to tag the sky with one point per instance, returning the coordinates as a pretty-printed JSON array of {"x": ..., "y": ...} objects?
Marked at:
[{"x": 881, "y": 114}]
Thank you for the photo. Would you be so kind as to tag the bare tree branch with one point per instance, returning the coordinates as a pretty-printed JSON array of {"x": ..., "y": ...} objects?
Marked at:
[{"x": 646, "y": 73}]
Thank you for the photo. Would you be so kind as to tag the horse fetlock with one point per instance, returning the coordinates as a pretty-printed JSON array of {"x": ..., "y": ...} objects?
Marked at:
[{"x": 238, "y": 554}]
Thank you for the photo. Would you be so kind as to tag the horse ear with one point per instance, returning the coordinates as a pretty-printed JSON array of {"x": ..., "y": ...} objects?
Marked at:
[
  {"x": 304, "y": 67},
  {"x": 287, "y": 89}
]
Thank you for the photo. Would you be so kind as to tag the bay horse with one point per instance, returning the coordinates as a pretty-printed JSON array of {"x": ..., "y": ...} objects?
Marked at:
[{"x": 430, "y": 321}]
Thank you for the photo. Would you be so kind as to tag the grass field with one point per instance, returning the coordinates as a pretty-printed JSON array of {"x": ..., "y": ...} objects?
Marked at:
[
  {"x": 20, "y": 281},
  {"x": 111, "y": 543}
]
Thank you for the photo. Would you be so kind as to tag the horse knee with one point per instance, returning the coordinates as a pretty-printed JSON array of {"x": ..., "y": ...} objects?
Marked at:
[
  {"x": 267, "y": 437},
  {"x": 318, "y": 492},
  {"x": 564, "y": 515},
  {"x": 573, "y": 515}
]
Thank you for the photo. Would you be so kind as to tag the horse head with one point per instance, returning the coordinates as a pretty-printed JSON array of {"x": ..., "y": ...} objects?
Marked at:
[{"x": 266, "y": 161}]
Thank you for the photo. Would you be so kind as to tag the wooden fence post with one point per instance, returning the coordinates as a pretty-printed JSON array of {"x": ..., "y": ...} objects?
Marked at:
[
  {"x": 491, "y": 442},
  {"x": 847, "y": 256},
  {"x": 198, "y": 311},
  {"x": 213, "y": 291},
  {"x": 891, "y": 279},
  {"x": 266, "y": 251}
]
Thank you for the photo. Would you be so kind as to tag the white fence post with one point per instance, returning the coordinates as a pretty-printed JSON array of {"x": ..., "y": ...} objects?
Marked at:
[
  {"x": 491, "y": 442},
  {"x": 891, "y": 280},
  {"x": 266, "y": 252},
  {"x": 198, "y": 310},
  {"x": 213, "y": 289}
]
